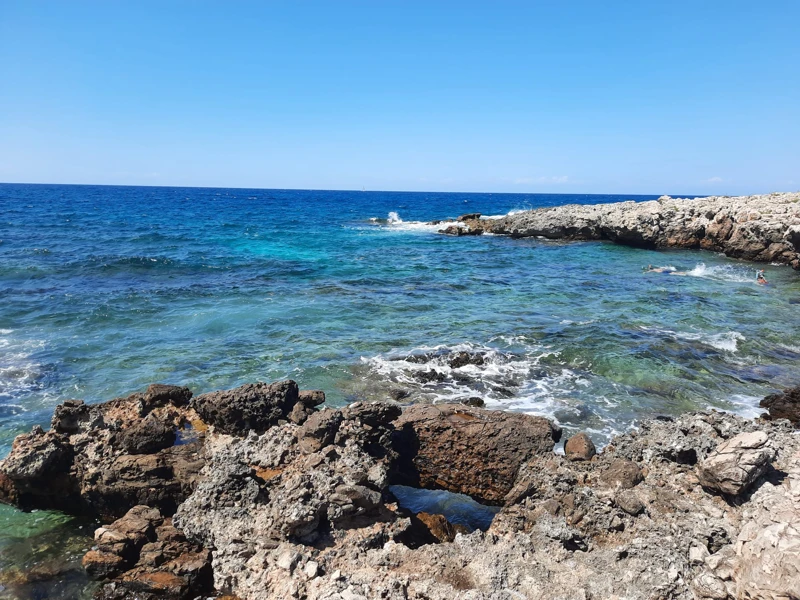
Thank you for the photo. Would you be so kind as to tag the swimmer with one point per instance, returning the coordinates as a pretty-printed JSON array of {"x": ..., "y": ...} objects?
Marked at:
[
  {"x": 760, "y": 280},
  {"x": 652, "y": 269}
]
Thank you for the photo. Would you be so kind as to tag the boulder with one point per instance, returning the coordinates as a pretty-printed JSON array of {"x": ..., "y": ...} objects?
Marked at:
[
  {"x": 469, "y": 450},
  {"x": 256, "y": 406},
  {"x": 736, "y": 464},
  {"x": 579, "y": 447},
  {"x": 621, "y": 473},
  {"x": 159, "y": 394}
]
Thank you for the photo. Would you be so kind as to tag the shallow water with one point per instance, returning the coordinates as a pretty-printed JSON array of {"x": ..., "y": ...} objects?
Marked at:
[{"x": 106, "y": 289}]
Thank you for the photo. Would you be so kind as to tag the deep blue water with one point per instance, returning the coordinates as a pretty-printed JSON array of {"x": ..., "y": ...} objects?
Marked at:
[{"x": 106, "y": 289}]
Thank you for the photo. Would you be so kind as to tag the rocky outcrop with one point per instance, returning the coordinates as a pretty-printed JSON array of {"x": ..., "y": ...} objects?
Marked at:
[
  {"x": 143, "y": 555},
  {"x": 763, "y": 228},
  {"x": 702, "y": 506},
  {"x": 469, "y": 450},
  {"x": 784, "y": 406},
  {"x": 102, "y": 460}
]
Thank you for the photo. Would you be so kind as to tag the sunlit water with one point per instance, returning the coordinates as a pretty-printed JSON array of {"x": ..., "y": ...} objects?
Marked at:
[{"x": 106, "y": 289}]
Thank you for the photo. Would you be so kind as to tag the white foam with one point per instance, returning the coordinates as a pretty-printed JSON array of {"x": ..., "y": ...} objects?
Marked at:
[
  {"x": 734, "y": 273},
  {"x": 745, "y": 406},
  {"x": 20, "y": 374},
  {"x": 396, "y": 223},
  {"x": 726, "y": 341}
]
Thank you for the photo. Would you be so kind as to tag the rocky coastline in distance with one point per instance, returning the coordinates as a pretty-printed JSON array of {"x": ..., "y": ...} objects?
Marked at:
[
  {"x": 762, "y": 228},
  {"x": 259, "y": 492}
]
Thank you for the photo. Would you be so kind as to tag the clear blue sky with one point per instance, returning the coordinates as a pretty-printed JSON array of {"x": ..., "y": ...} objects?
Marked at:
[{"x": 629, "y": 97}]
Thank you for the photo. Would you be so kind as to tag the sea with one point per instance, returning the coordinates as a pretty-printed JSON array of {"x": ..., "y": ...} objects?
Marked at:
[{"x": 105, "y": 289}]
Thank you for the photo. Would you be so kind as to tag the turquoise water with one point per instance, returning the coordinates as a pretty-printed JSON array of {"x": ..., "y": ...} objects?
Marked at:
[{"x": 106, "y": 289}]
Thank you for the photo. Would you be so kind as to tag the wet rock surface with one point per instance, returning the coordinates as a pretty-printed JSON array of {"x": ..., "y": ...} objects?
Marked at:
[
  {"x": 762, "y": 228},
  {"x": 784, "y": 406},
  {"x": 705, "y": 505}
]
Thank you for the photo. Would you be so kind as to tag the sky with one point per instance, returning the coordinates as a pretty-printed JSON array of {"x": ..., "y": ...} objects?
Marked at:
[{"x": 573, "y": 97}]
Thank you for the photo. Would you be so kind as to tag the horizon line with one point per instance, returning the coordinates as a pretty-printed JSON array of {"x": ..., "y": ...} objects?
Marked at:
[{"x": 300, "y": 189}]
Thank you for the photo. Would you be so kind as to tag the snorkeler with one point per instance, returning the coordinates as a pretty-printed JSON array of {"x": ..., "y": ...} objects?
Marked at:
[{"x": 760, "y": 280}]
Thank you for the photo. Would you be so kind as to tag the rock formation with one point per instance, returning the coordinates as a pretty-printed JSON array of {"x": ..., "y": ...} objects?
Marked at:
[
  {"x": 289, "y": 501},
  {"x": 763, "y": 228},
  {"x": 784, "y": 406}
]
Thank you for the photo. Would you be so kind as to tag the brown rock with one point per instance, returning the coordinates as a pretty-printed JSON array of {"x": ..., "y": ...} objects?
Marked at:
[
  {"x": 256, "y": 406},
  {"x": 159, "y": 394},
  {"x": 147, "y": 436},
  {"x": 629, "y": 502},
  {"x": 103, "y": 565},
  {"x": 785, "y": 405},
  {"x": 439, "y": 526},
  {"x": 621, "y": 473},
  {"x": 469, "y": 450},
  {"x": 319, "y": 430},
  {"x": 579, "y": 447}
]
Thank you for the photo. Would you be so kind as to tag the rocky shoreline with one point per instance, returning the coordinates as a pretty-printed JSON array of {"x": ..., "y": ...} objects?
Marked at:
[
  {"x": 764, "y": 228},
  {"x": 260, "y": 492}
]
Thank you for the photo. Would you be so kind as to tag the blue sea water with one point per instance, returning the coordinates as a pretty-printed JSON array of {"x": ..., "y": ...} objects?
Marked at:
[{"x": 104, "y": 290}]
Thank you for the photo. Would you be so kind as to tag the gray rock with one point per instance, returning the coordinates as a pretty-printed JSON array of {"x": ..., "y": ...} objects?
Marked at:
[
  {"x": 761, "y": 228},
  {"x": 736, "y": 463}
]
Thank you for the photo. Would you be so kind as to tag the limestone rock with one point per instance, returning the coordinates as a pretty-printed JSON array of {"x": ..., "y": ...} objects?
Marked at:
[
  {"x": 736, "y": 463},
  {"x": 761, "y": 228}
]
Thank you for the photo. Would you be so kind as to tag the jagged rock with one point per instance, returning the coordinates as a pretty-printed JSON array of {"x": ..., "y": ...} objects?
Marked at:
[
  {"x": 463, "y": 358},
  {"x": 579, "y": 447},
  {"x": 256, "y": 406},
  {"x": 784, "y": 406},
  {"x": 285, "y": 521},
  {"x": 159, "y": 394},
  {"x": 319, "y": 430},
  {"x": 469, "y": 450},
  {"x": 761, "y": 228},
  {"x": 736, "y": 463},
  {"x": 70, "y": 416},
  {"x": 469, "y": 217},
  {"x": 438, "y": 526},
  {"x": 143, "y": 555},
  {"x": 148, "y": 436},
  {"x": 86, "y": 463}
]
